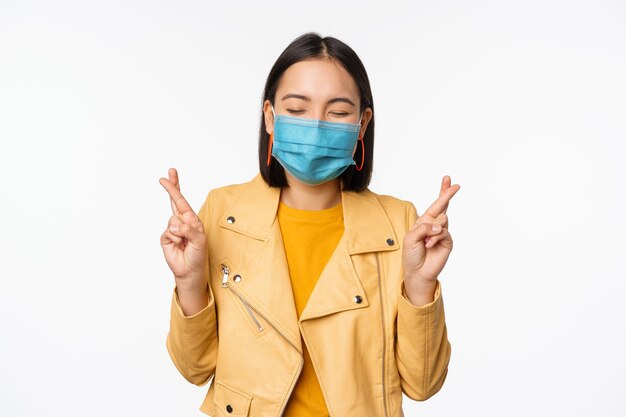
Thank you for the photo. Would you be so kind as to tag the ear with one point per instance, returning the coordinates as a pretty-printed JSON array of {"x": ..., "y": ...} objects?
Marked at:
[
  {"x": 367, "y": 116},
  {"x": 269, "y": 117}
]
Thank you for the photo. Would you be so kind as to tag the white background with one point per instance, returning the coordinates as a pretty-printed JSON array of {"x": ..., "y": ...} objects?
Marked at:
[{"x": 522, "y": 103}]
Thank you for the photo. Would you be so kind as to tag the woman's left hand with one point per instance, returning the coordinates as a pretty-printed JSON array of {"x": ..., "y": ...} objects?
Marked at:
[{"x": 426, "y": 250}]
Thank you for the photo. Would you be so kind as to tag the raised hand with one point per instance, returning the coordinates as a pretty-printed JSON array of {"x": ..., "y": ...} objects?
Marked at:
[
  {"x": 184, "y": 241},
  {"x": 427, "y": 244}
]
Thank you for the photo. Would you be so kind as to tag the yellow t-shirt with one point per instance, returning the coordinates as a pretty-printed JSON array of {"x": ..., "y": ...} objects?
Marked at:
[{"x": 310, "y": 237}]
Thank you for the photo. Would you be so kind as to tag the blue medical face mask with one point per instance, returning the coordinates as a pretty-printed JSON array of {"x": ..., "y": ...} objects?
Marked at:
[{"x": 314, "y": 151}]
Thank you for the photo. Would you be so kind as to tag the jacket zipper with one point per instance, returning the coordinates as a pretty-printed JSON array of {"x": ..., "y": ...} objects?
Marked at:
[
  {"x": 225, "y": 273},
  {"x": 382, "y": 316},
  {"x": 247, "y": 306}
]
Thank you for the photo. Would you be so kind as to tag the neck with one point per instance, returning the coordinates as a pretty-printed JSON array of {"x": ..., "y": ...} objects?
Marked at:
[{"x": 311, "y": 197}]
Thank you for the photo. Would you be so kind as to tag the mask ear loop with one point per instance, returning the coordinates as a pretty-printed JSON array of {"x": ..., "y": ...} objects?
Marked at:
[{"x": 360, "y": 167}]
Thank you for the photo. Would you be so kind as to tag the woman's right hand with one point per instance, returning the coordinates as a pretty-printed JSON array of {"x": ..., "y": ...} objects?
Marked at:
[{"x": 184, "y": 241}]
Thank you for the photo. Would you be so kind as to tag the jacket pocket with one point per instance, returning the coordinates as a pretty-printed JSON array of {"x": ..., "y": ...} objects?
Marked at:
[{"x": 229, "y": 401}]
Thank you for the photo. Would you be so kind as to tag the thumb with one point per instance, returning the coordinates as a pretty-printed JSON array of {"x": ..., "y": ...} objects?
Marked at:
[
  {"x": 195, "y": 237},
  {"x": 418, "y": 233}
]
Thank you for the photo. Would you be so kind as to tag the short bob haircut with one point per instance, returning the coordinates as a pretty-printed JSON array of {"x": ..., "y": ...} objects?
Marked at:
[{"x": 312, "y": 46}]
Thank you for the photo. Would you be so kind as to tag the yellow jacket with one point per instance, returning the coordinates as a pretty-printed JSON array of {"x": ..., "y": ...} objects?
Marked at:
[{"x": 367, "y": 342}]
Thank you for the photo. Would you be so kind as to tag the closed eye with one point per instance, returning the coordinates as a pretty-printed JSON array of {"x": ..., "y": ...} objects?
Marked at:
[{"x": 302, "y": 111}]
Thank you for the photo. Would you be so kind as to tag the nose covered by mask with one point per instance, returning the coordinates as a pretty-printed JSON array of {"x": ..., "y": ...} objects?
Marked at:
[{"x": 314, "y": 151}]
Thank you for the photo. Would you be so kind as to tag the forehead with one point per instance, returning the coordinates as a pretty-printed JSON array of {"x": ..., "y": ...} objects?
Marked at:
[{"x": 318, "y": 79}]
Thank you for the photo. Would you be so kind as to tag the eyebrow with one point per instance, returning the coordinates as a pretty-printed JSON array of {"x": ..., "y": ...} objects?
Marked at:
[{"x": 331, "y": 101}]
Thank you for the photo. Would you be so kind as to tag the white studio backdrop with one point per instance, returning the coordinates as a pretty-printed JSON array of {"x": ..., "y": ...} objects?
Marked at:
[{"x": 522, "y": 103}]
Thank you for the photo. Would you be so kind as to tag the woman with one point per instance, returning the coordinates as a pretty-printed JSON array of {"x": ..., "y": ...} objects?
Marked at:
[{"x": 301, "y": 292}]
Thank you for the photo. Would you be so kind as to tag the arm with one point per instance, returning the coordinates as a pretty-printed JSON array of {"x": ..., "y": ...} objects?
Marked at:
[
  {"x": 422, "y": 347},
  {"x": 192, "y": 341}
]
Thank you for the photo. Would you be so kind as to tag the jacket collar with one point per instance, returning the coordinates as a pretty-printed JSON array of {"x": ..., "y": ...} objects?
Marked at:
[{"x": 367, "y": 227}]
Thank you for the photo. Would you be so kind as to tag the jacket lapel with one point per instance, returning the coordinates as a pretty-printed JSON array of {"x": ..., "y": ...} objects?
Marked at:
[{"x": 266, "y": 284}]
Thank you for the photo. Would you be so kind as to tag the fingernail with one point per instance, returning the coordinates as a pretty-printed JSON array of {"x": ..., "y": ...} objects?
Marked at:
[
  {"x": 436, "y": 227},
  {"x": 174, "y": 228}
]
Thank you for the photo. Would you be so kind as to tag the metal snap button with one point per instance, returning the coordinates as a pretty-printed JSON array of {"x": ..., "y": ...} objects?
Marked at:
[
  {"x": 230, "y": 219},
  {"x": 237, "y": 278},
  {"x": 229, "y": 408},
  {"x": 358, "y": 299},
  {"x": 390, "y": 242}
]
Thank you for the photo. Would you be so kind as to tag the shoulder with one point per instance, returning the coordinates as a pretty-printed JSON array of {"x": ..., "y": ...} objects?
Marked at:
[
  {"x": 219, "y": 198},
  {"x": 397, "y": 209},
  {"x": 226, "y": 194},
  {"x": 392, "y": 204}
]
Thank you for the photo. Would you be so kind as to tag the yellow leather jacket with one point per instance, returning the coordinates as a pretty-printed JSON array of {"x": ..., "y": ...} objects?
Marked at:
[{"x": 367, "y": 342}]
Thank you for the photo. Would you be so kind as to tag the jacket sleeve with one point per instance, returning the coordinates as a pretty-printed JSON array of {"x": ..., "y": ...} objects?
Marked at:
[
  {"x": 192, "y": 341},
  {"x": 422, "y": 347}
]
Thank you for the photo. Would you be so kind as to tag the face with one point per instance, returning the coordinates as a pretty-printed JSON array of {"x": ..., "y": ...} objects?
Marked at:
[{"x": 317, "y": 89}]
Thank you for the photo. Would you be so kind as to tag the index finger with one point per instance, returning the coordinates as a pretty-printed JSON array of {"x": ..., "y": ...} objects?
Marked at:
[
  {"x": 445, "y": 184},
  {"x": 440, "y": 205},
  {"x": 176, "y": 197},
  {"x": 174, "y": 180}
]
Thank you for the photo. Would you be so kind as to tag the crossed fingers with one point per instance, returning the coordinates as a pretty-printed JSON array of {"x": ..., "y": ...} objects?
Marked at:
[
  {"x": 179, "y": 204},
  {"x": 436, "y": 213}
]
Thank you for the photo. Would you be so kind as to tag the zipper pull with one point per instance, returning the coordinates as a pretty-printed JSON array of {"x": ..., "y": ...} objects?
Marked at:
[{"x": 225, "y": 272}]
